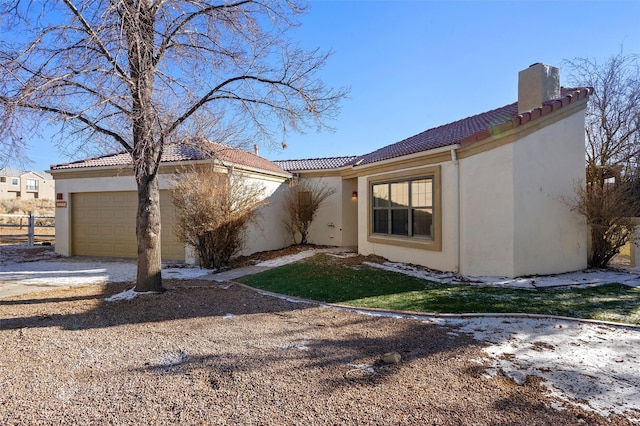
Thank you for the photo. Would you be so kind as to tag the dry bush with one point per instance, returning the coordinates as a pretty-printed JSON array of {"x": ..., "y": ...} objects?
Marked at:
[
  {"x": 214, "y": 210},
  {"x": 301, "y": 202},
  {"x": 609, "y": 211},
  {"x": 39, "y": 207}
]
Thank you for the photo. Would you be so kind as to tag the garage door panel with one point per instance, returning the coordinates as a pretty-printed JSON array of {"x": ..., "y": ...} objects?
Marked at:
[{"x": 103, "y": 224}]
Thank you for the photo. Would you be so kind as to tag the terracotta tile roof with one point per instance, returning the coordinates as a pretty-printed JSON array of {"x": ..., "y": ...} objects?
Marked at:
[
  {"x": 183, "y": 152},
  {"x": 472, "y": 129},
  {"x": 244, "y": 158},
  {"x": 316, "y": 163}
]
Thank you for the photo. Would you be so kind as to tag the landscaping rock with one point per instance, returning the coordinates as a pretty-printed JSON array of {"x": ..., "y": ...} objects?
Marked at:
[{"x": 391, "y": 358}]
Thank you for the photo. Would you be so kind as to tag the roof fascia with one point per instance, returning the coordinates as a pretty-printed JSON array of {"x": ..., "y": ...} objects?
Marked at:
[
  {"x": 494, "y": 140},
  {"x": 165, "y": 168},
  {"x": 432, "y": 156},
  {"x": 511, "y": 135}
]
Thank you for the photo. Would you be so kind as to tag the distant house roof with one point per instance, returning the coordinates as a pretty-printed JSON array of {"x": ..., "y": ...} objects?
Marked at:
[
  {"x": 472, "y": 129},
  {"x": 9, "y": 172},
  {"x": 316, "y": 163},
  {"x": 183, "y": 152}
]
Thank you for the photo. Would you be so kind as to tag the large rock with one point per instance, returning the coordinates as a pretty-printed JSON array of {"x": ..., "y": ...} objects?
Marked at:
[{"x": 391, "y": 358}]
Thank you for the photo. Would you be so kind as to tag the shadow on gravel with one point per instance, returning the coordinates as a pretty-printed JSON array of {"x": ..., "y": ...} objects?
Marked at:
[
  {"x": 10, "y": 302},
  {"x": 85, "y": 307},
  {"x": 225, "y": 343}
]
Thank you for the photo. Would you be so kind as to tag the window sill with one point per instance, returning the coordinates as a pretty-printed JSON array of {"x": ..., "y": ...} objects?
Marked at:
[{"x": 408, "y": 242}]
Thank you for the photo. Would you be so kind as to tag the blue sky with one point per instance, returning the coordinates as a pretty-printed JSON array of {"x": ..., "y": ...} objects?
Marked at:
[{"x": 415, "y": 65}]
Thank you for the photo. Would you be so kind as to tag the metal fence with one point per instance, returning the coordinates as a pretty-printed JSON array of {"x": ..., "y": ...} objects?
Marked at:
[{"x": 21, "y": 228}]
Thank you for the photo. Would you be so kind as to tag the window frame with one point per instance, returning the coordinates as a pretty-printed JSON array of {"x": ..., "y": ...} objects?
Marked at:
[
  {"x": 32, "y": 185},
  {"x": 433, "y": 242}
]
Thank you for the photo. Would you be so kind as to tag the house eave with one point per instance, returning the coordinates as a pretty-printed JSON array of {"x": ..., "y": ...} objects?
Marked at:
[
  {"x": 418, "y": 159},
  {"x": 127, "y": 169}
]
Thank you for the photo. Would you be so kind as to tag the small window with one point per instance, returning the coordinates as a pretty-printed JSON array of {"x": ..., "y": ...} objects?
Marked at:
[
  {"x": 3, "y": 179},
  {"x": 15, "y": 181}
]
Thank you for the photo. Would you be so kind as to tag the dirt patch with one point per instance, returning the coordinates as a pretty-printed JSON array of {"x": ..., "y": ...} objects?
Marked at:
[
  {"x": 18, "y": 253},
  {"x": 209, "y": 353}
]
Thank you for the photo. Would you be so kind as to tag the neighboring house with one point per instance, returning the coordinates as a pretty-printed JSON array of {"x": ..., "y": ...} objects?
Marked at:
[
  {"x": 485, "y": 195},
  {"x": 25, "y": 185}
]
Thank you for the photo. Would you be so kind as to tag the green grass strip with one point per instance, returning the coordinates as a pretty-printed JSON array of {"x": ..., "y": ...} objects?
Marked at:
[{"x": 324, "y": 278}]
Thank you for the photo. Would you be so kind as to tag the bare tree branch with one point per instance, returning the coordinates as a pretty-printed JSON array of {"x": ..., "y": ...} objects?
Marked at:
[{"x": 143, "y": 73}]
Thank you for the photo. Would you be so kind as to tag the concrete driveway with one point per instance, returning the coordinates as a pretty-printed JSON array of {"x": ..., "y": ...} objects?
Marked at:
[{"x": 28, "y": 277}]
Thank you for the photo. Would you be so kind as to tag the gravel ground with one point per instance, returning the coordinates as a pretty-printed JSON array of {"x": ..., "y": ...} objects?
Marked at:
[{"x": 207, "y": 353}]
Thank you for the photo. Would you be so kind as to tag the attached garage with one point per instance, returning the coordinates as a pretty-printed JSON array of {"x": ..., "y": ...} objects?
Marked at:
[
  {"x": 96, "y": 201},
  {"x": 104, "y": 225}
]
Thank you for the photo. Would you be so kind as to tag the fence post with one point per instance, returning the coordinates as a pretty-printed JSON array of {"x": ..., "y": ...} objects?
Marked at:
[{"x": 32, "y": 228}]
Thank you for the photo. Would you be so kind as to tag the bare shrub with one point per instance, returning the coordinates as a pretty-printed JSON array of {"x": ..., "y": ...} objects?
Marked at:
[
  {"x": 301, "y": 202},
  {"x": 39, "y": 207},
  {"x": 609, "y": 212},
  {"x": 214, "y": 210},
  {"x": 612, "y": 129}
]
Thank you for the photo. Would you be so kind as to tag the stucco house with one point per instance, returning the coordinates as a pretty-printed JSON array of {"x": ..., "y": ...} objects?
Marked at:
[
  {"x": 25, "y": 184},
  {"x": 484, "y": 195},
  {"x": 96, "y": 201}
]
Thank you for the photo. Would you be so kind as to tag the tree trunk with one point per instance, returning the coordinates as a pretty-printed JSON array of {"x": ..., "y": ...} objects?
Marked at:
[
  {"x": 148, "y": 236},
  {"x": 138, "y": 22}
]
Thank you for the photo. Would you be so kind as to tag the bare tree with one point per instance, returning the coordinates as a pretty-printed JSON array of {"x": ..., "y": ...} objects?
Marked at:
[
  {"x": 213, "y": 212},
  {"x": 612, "y": 127},
  {"x": 301, "y": 201},
  {"x": 145, "y": 73}
]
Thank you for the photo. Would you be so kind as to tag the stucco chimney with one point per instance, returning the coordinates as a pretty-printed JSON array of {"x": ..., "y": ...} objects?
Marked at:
[
  {"x": 255, "y": 149},
  {"x": 537, "y": 84}
]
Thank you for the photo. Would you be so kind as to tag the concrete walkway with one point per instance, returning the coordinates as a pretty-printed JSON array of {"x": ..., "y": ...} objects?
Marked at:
[{"x": 233, "y": 274}]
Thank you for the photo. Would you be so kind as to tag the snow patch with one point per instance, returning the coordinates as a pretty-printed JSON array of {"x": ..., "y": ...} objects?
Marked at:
[
  {"x": 595, "y": 364},
  {"x": 127, "y": 295},
  {"x": 580, "y": 278},
  {"x": 364, "y": 367}
]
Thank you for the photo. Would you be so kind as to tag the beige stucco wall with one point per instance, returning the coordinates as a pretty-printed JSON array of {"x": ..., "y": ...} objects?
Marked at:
[
  {"x": 548, "y": 166},
  {"x": 444, "y": 259},
  {"x": 350, "y": 213},
  {"x": 327, "y": 226},
  {"x": 8, "y": 191},
  {"x": 486, "y": 213},
  {"x": 266, "y": 235},
  {"x": 515, "y": 219}
]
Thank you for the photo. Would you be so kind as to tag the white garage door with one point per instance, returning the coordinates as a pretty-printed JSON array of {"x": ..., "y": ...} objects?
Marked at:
[{"x": 103, "y": 224}]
